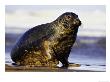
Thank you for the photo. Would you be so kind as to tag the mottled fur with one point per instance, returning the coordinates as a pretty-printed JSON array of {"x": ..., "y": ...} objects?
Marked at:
[{"x": 47, "y": 44}]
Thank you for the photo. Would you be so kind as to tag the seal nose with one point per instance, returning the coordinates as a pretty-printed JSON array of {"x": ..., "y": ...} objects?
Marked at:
[{"x": 80, "y": 23}]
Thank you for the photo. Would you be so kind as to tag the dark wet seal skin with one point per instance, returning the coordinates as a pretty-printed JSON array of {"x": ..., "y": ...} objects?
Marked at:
[{"x": 47, "y": 44}]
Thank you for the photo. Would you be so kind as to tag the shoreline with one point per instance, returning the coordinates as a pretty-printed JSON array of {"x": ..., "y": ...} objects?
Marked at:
[{"x": 9, "y": 68}]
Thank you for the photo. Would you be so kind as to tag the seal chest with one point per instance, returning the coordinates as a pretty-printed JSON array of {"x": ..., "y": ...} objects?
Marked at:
[{"x": 47, "y": 44}]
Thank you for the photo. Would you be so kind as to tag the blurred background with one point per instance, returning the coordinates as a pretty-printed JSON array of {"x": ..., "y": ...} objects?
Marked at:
[{"x": 90, "y": 47}]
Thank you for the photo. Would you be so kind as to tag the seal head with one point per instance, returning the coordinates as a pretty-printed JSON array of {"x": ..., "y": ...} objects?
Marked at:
[{"x": 69, "y": 20}]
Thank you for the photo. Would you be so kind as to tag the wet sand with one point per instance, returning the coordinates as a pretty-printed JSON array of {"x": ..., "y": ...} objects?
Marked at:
[{"x": 9, "y": 68}]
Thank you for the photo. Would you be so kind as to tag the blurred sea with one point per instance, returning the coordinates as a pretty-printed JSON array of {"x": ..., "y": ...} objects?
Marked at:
[{"x": 90, "y": 52}]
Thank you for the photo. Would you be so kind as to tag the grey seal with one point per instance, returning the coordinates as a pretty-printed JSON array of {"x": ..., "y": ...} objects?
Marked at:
[{"x": 47, "y": 44}]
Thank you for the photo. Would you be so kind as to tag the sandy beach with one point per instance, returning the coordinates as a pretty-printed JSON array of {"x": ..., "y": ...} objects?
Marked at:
[{"x": 9, "y": 68}]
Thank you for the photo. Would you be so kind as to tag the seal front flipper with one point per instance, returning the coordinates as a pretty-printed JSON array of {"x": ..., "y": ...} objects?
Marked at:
[{"x": 62, "y": 59}]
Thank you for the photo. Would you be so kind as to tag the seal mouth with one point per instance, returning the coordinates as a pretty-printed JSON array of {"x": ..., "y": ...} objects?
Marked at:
[{"x": 77, "y": 22}]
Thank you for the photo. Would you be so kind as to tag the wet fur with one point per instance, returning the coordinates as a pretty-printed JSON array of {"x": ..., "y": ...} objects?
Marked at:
[{"x": 47, "y": 44}]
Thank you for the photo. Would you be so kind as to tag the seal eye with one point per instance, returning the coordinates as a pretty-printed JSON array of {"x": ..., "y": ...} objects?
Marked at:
[{"x": 68, "y": 16}]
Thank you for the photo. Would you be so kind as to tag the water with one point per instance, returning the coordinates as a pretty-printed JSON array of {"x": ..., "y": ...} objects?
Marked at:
[{"x": 90, "y": 52}]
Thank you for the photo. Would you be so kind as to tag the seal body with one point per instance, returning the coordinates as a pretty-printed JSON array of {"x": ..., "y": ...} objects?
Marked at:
[{"x": 47, "y": 44}]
